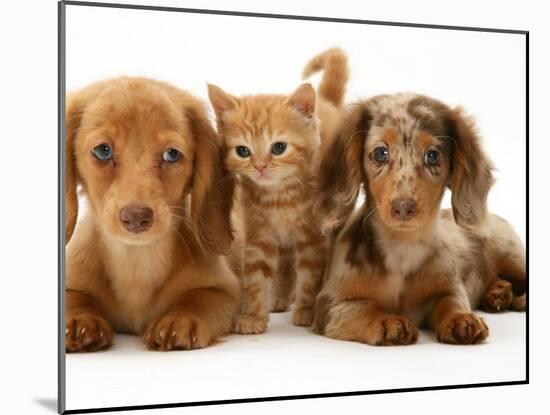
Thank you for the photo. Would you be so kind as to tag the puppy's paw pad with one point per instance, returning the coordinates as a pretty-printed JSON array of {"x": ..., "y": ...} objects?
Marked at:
[
  {"x": 303, "y": 317},
  {"x": 87, "y": 333},
  {"x": 246, "y": 324},
  {"x": 392, "y": 331},
  {"x": 177, "y": 331},
  {"x": 462, "y": 328},
  {"x": 499, "y": 297}
]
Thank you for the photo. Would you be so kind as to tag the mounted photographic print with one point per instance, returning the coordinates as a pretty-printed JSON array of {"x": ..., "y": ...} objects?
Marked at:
[{"x": 262, "y": 207}]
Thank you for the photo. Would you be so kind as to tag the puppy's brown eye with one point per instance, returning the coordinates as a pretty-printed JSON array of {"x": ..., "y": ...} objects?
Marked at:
[
  {"x": 432, "y": 157},
  {"x": 171, "y": 155},
  {"x": 103, "y": 152},
  {"x": 381, "y": 154}
]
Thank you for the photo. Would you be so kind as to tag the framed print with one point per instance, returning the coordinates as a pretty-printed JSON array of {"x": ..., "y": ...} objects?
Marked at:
[{"x": 260, "y": 207}]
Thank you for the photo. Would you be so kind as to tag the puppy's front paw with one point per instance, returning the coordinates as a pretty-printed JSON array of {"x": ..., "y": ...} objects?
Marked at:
[
  {"x": 177, "y": 331},
  {"x": 498, "y": 297},
  {"x": 462, "y": 328},
  {"x": 519, "y": 303},
  {"x": 246, "y": 324},
  {"x": 87, "y": 333},
  {"x": 391, "y": 331},
  {"x": 303, "y": 316}
]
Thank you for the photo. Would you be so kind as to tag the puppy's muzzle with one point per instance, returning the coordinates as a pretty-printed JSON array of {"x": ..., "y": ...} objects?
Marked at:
[
  {"x": 136, "y": 219},
  {"x": 403, "y": 209}
]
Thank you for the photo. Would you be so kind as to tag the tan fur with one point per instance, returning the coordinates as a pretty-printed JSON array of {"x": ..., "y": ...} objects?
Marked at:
[
  {"x": 278, "y": 238},
  {"x": 168, "y": 282},
  {"x": 389, "y": 274},
  {"x": 333, "y": 62}
]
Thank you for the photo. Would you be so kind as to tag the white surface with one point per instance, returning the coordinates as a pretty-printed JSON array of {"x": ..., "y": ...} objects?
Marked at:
[
  {"x": 29, "y": 188},
  {"x": 289, "y": 360}
]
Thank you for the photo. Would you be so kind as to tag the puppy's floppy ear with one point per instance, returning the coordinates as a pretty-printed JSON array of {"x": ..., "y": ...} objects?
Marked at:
[
  {"x": 76, "y": 104},
  {"x": 221, "y": 101},
  {"x": 75, "y": 108},
  {"x": 212, "y": 188},
  {"x": 341, "y": 169},
  {"x": 471, "y": 171}
]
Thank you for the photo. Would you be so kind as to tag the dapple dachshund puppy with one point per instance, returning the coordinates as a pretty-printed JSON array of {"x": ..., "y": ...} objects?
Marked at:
[{"x": 400, "y": 262}]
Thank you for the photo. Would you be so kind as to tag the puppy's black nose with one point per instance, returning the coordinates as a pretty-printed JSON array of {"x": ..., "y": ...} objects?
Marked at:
[
  {"x": 136, "y": 219},
  {"x": 403, "y": 209}
]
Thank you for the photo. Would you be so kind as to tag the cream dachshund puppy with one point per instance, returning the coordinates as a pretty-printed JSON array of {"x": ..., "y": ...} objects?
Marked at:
[{"x": 145, "y": 257}]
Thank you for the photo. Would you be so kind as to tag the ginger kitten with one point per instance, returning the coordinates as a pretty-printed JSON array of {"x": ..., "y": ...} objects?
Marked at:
[{"x": 270, "y": 144}]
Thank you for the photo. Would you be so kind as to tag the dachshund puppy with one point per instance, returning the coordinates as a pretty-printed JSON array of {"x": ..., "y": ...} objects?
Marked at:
[
  {"x": 145, "y": 256},
  {"x": 400, "y": 262}
]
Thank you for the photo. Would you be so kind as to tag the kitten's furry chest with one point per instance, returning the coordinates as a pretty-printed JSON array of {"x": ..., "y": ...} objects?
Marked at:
[
  {"x": 285, "y": 213},
  {"x": 286, "y": 223}
]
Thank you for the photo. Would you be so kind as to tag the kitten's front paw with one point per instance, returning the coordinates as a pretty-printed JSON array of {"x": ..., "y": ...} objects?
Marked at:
[
  {"x": 498, "y": 297},
  {"x": 303, "y": 316},
  {"x": 246, "y": 324},
  {"x": 177, "y": 331},
  {"x": 462, "y": 328},
  {"x": 279, "y": 306},
  {"x": 87, "y": 333}
]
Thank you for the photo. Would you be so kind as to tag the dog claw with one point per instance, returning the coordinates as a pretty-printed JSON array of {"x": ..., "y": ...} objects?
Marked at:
[{"x": 177, "y": 331}]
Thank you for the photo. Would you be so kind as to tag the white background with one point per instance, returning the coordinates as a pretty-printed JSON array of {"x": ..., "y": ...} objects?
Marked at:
[
  {"x": 483, "y": 72},
  {"x": 28, "y": 172}
]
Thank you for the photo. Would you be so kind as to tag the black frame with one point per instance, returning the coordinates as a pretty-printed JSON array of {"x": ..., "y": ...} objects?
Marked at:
[{"x": 61, "y": 203}]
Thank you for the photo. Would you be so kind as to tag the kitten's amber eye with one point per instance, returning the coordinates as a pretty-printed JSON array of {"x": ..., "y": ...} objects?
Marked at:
[
  {"x": 243, "y": 151},
  {"x": 381, "y": 154},
  {"x": 432, "y": 157},
  {"x": 278, "y": 148}
]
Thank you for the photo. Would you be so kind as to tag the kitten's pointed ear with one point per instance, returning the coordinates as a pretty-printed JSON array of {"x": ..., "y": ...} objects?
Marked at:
[
  {"x": 303, "y": 100},
  {"x": 221, "y": 100}
]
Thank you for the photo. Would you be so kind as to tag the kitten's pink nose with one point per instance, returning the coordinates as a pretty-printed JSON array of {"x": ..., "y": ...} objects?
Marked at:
[{"x": 261, "y": 168}]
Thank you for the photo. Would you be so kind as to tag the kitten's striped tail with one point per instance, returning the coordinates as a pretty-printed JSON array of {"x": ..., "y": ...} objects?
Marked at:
[{"x": 334, "y": 62}]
